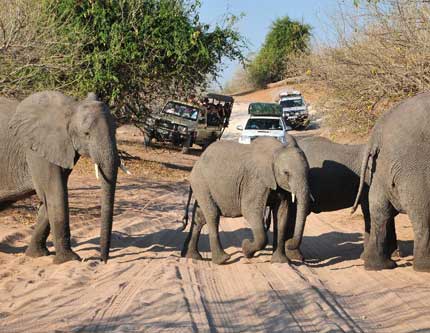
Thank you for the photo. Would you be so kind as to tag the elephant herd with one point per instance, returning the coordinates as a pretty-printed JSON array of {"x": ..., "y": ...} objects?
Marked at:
[{"x": 43, "y": 136}]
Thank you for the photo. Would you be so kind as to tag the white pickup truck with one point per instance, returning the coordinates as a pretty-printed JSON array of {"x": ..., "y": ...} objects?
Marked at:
[{"x": 265, "y": 120}]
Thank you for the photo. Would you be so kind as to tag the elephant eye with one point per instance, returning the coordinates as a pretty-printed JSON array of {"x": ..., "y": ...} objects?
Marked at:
[
  {"x": 286, "y": 173},
  {"x": 87, "y": 133}
]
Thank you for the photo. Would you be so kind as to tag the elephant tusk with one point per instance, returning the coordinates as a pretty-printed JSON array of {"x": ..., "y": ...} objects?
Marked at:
[
  {"x": 96, "y": 169},
  {"x": 293, "y": 197},
  {"x": 312, "y": 197},
  {"x": 124, "y": 169}
]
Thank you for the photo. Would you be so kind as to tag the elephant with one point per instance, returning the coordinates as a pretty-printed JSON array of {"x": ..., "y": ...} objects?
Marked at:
[
  {"x": 41, "y": 139},
  {"x": 232, "y": 180},
  {"x": 334, "y": 178},
  {"x": 396, "y": 164}
]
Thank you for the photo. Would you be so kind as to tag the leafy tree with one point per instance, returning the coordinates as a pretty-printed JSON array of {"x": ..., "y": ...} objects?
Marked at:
[
  {"x": 132, "y": 53},
  {"x": 285, "y": 38}
]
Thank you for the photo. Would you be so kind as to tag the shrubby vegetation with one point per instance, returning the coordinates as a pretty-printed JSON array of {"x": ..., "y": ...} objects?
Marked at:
[
  {"x": 132, "y": 53},
  {"x": 285, "y": 38},
  {"x": 382, "y": 55}
]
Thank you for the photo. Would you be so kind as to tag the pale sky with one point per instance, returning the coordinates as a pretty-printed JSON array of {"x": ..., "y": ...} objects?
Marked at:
[{"x": 259, "y": 14}]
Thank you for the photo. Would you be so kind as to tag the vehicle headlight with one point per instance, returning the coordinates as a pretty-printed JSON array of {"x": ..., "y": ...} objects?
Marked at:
[
  {"x": 245, "y": 140},
  {"x": 182, "y": 129}
]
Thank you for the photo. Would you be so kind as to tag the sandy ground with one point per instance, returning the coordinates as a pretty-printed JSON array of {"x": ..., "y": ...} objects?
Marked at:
[{"x": 147, "y": 287}]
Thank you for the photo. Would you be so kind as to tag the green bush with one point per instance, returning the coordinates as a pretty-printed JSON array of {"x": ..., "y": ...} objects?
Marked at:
[
  {"x": 285, "y": 38},
  {"x": 132, "y": 53}
]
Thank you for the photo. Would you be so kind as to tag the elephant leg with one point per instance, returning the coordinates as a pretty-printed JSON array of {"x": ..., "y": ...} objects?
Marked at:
[
  {"x": 420, "y": 222},
  {"x": 280, "y": 215},
  {"x": 268, "y": 217},
  {"x": 390, "y": 245},
  {"x": 58, "y": 214},
  {"x": 381, "y": 212},
  {"x": 274, "y": 214},
  {"x": 191, "y": 248},
  {"x": 294, "y": 254},
  {"x": 37, "y": 246},
  {"x": 366, "y": 214},
  {"x": 50, "y": 182},
  {"x": 391, "y": 239},
  {"x": 212, "y": 216},
  {"x": 256, "y": 220}
]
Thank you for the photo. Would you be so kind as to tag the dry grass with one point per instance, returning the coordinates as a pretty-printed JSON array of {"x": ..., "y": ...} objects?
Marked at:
[{"x": 382, "y": 56}]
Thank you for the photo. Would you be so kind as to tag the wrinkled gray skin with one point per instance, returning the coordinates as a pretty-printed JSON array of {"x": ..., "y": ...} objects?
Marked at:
[
  {"x": 334, "y": 178},
  {"x": 396, "y": 161},
  {"x": 232, "y": 180},
  {"x": 41, "y": 139}
]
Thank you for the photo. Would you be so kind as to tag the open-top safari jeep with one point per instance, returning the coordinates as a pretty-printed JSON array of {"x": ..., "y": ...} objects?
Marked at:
[{"x": 185, "y": 124}]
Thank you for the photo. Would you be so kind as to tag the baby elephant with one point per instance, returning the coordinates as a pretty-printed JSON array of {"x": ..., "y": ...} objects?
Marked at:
[{"x": 232, "y": 180}]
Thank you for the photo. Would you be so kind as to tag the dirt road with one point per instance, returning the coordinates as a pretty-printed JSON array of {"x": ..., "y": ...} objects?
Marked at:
[{"x": 147, "y": 287}]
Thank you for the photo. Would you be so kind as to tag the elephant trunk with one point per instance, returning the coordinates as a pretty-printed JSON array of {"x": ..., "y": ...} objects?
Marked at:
[
  {"x": 303, "y": 201},
  {"x": 107, "y": 164}
]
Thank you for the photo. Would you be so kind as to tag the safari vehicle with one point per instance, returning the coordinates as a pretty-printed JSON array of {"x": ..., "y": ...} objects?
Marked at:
[
  {"x": 185, "y": 124},
  {"x": 294, "y": 108},
  {"x": 265, "y": 120}
]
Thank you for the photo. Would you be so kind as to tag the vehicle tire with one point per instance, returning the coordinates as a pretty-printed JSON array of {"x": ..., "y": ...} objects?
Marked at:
[{"x": 147, "y": 140}]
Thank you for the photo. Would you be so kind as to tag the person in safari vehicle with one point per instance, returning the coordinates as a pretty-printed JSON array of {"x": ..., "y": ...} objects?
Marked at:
[{"x": 185, "y": 124}]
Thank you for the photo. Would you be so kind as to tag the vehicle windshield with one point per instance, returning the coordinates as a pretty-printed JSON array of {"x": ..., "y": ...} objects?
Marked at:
[
  {"x": 183, "y": 111},
  {"x": 264, "y": 124},
  {"x": 291, "y": 103}
]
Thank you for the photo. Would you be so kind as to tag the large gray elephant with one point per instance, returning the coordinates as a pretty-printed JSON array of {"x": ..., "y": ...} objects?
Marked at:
[
  {"x": 41, "y": 139},
  {"x": 334, "y": 178},
  {"x": 232, "y": 180},
  {"x": 396, "y": 162}
]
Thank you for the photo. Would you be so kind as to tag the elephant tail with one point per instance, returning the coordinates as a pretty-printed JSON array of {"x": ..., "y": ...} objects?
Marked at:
[
  {"x": 187, "y": 208},
  {"x": 366, "y": 157}
]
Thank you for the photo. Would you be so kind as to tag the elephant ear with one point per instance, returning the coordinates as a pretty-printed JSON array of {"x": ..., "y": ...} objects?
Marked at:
[
  {"x": 263, "y": 154},
  {"x": 41, "y": 124}
]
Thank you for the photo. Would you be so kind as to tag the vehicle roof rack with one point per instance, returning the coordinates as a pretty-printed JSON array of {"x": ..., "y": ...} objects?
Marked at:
[
  {"x": 222, "y": 98},
  {"x": 290, "y": 93},
  {"x": 265, "y": 109}
]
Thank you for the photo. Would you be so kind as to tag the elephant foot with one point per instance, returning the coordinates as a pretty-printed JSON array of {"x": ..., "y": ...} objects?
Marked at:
[
  {"x": 363, "y": 255},
  {"x": 292, "y": 244},
  {"x": 422, "y": 264},
  {"x": 220, "y": 258},
  {"x": 65, "y": 256},
  {"x": 396, "y": 253},
  {"x": 36, "y": 251},
  {"x": 193, "y": 255},
  {"x": 294, "y": 255},
  {"x": 377, "y": 265},
  {"x": 247, "y": 248},
  {"x": 279, "y": 258}
]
